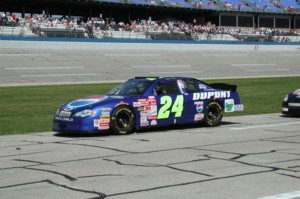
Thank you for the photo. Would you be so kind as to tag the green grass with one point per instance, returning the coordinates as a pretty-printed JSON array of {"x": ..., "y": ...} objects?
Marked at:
[
  {"x": 263, "y": 95},
  {"x": 31, "y": 108}
]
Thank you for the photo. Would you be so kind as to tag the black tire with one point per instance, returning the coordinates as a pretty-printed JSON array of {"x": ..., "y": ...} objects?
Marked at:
[
  {"x": 122, "y": 120},
  {"x": 213, "y": 114}
]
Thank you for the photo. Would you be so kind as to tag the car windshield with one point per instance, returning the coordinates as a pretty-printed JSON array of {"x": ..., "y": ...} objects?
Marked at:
[{"x": 135, "y": 87}]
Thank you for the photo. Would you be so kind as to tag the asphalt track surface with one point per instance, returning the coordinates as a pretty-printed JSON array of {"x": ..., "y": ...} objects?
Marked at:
[
  {"x": 248, "y": 157},
  {"x": 36, "y": 63}
]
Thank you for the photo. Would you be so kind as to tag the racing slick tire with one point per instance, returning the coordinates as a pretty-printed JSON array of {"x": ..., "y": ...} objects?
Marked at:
[
  {"x": 213, "y": 114},
  {"x": 122, "y": 120}
]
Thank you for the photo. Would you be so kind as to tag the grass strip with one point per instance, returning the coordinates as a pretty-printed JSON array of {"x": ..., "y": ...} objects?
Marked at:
[{"x": 31, "y": 108}]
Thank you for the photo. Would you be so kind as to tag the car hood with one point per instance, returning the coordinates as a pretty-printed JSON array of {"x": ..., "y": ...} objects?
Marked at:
[{"x": 91, "y": 101}]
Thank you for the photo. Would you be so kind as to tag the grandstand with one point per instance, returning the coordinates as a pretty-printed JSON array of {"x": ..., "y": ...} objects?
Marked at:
[{"x": 243, "y": 20}]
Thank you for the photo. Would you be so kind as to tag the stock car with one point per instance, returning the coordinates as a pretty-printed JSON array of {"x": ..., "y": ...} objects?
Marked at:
[
  {"x": 291, "y": 103},
  {"x": 144, "y": 102}
]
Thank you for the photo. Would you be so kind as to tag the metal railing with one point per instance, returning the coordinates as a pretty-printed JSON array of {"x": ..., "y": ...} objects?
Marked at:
[
  {"x": 131, "y": 35},
  {"x": 16, "y": 31}
]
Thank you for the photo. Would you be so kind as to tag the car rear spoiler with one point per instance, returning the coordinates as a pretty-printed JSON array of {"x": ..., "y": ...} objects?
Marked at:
[{"x": 223, "y": 86}]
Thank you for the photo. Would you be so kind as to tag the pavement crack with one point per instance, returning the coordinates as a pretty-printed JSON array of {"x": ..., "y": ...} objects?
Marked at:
[
  {"x": 248, "y": 154},
  {"x": 99, "y": 194},
  {"x": 5, "y": 156},
  {"x": 297, "y": 177},
  {"x": 31, "y": 161},
  {"x": 250, "y": 164},
  {"x": 289, "y": 142},
  {"x": 142, "y": 140},
  {"x": 22, "y": 184},
  {"x": 100, "y": 147},
  {"x": 186, "y": 171},
  {"x": 159, "y": 165},
  {"x": 239, "y": 155},
  {"x": 103, "y": 175},
  {"x": 70, "y": 178},
  {"x": 184, "y": 162},
  {"x": 189, "y": 183},
  {"x": 124, "y": 164},
  {"x": 292, "y": 167},
  {"x": 284, "y": 161}
]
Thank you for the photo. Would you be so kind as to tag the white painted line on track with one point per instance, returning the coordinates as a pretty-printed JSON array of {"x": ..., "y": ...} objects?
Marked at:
[
  {"x": 227, "y": 55},
  {"x": 60, "y": 75},
  {"x": 43, "y": 68},
  {"x": 263, "y": 126},
  {"x": 289, "y": 195},
  {"x": 250, "y": 65},
  {"x": 21, "y": 55},
  {"x": 132, "y": 55},
  {"x": 295, "y": 54},
  {"x": 177, "y": 72},
  {"x": 163, "y": 66},
  {"x": 269, "y": 70}
]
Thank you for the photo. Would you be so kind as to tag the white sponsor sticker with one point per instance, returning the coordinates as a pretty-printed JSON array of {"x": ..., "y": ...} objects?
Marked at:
[
  {"x": 208, "y": 95},
  {"x": 238, "y": 107}
]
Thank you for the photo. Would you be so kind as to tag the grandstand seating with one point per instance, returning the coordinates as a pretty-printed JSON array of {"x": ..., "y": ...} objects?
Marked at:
[
  {"x": 267, "y": 6},
  {"x": 211, "y": 6},
  {"x": 236, "y": 5},
  {"x": 180, "y": 3},
  {"x": 141, "y": 2},
  {"x": 290, "y": 4},
  {"x": 228, "y": 5}
]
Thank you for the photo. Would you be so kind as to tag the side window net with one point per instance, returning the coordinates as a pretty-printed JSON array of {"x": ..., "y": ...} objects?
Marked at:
[{"x": 167, "y": 88}]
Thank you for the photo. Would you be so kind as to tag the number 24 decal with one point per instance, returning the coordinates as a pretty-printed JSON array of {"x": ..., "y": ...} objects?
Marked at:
[{"x": 169, "y": 107}]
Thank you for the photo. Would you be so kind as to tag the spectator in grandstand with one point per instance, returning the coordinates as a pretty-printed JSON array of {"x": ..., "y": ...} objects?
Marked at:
[{"x": 212, "y": 3}]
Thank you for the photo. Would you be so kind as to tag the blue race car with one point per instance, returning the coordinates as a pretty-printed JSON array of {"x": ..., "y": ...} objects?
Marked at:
[
  {"x": 143, "y": 102},
  {"x": 291, "y": 103}
]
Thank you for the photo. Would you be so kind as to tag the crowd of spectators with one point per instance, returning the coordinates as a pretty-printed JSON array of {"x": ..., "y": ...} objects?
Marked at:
[
  {"x": 253, "y": 5},
  {"x": 265, "y": 5},
  {"x": 248, "y": 5},
  {"x": 105, "y": 27}
]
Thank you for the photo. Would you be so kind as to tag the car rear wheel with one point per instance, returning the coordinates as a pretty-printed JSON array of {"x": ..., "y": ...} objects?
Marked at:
[
  {"x": 122, "y": 120},
  {"x": 213, "y": 114}
]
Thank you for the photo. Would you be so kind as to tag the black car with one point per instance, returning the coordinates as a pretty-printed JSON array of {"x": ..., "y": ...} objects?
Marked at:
[{"x": 291, "y": 103}]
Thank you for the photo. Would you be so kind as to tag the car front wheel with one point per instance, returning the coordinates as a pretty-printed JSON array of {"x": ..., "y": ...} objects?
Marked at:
[{"x": 122, "y": 120}]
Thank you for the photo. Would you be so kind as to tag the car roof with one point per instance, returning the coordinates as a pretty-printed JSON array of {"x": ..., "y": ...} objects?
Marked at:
[{"x": 164, "y": 78}]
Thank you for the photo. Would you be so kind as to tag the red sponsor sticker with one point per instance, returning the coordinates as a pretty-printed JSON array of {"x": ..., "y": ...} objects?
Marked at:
[{"x": 199, "y": 116}]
